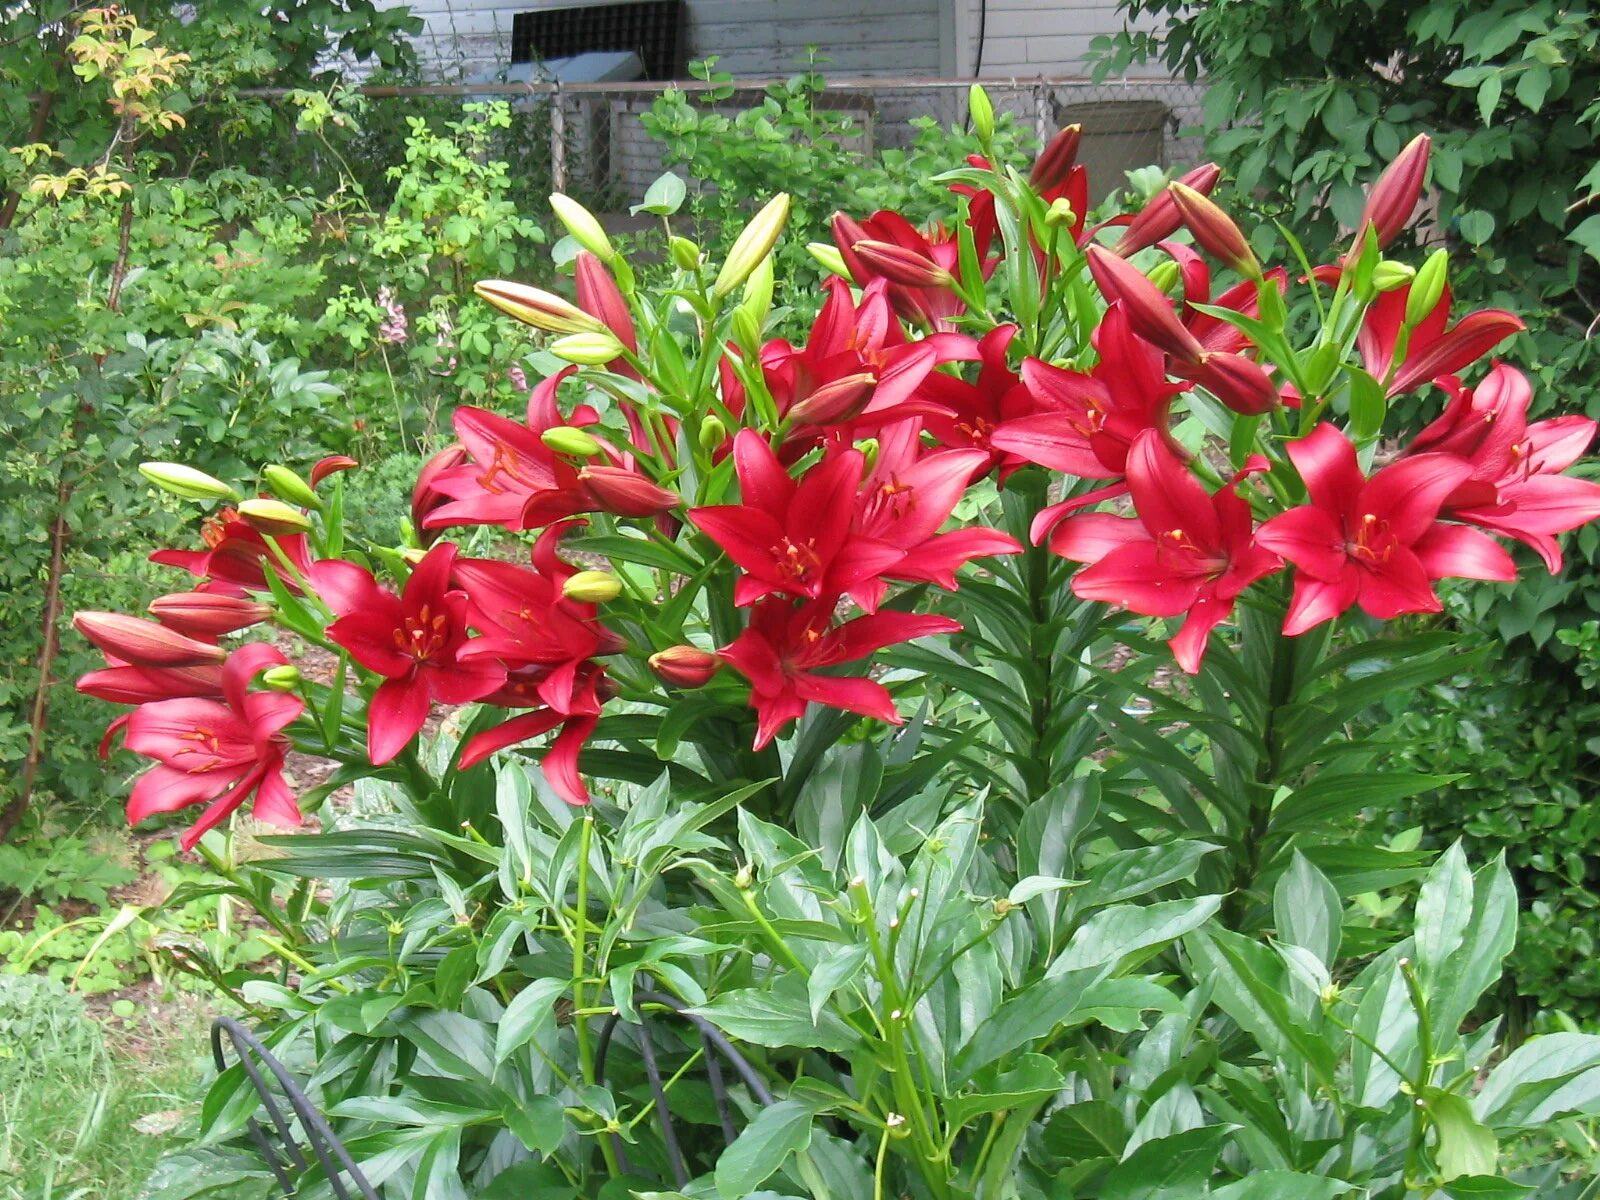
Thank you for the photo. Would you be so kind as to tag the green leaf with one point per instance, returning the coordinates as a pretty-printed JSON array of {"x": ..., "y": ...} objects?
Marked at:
[
  {"x": 1444, "y": 907},
  {"x": 1476, "y": 225},
  {"x": 1032, "y": 1077},
  {"x": 1587, "y": 235},
  {"x": 1115, "y": 933},
  {"x": 538, "y": 1122},
  {"x": 1542, "y": 1079},
  {"x": 1128, "y": 874},
  {"x": 623, "y": 548},
  {"x": 530, "y": 1011},
  {"x": 1465, "y": 1147},
  {"x": 1283, "y": 1185},
  {"x": 1489, "y": 98},
  {"x": 663, "y": 197},
  {"x": 1169, "y": 1168},
  {"x": 841, "y": 965},
  {"x": 1088, "y": 1130},
  {"x": 779, "y": 1017},
  {"x": 409, "y": 1110},
  {"x": 1486, "y": 1187},
  {"x": 777, "y": 1132},
  {"x": 1307, "y": 910}
]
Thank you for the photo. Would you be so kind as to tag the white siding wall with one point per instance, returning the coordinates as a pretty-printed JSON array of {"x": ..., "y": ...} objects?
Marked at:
[{"x": 1024, "y": 38}]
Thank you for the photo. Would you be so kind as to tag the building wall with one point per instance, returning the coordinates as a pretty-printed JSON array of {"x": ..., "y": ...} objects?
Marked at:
[{"x": 1021, "y": 38}]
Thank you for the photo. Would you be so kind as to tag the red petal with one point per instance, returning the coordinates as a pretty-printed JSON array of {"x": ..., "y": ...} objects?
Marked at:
[
  {"x": 1327, "y": 463},
  {"x": 397, "y": 713},
  {"x": 1456, "y": 552},
  {"x": 1309, "y": 538},
  {"x": 1134, "y": 577}
]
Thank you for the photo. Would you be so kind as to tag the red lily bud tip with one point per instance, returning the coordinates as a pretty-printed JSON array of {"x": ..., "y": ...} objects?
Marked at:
[
  {"x": 624, "y": 493},
  {"x": 838, "y": 400},
  {"x": 1214, "y": 230},
  {"x": 685, "y": 666},
  {"x": 1056, "y": 159},
  {"x": 207, "y": 614},
  {"x": 1394, "y": 197},
  {"x": 900, "y": 265},
  {"x": 144, "y": 643},
  {"x": 331, "y": 465}
]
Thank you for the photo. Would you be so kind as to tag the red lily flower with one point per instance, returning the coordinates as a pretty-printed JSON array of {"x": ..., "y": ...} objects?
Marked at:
[
  {"x": 784, "y": 648},
  {"x": 794, "y": 538},
  {"x": 1213, "y": 333},
  {"x": 926, "y": 302},
  {"x": 414, "y": 640},
  {"x": 1516, "y": 487},
  {"x": 217, "y": 752},
  {"x": 331, "y": 465},
  {"x": 1084, "y": 424},
  {"x": 425, "y": 497},
  {"x": 1374, "y": 542},
  {"x": 1432, "y": 351},
  {"x": 233, "y": 561},
  {"x": 976, "y": 410},
  {"x": 1184, "y": 552},
  {"x": 905, "y": 498}
]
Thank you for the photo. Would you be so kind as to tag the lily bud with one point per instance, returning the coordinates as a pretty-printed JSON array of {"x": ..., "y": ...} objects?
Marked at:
[
  {"x": 425, "y": 497},
  {"x": 981, "y": 110},
  {"x": 685, "y": 254},
  {"x": 207, "y": 614},
  {"x": 1427, "y": 289},
  {"x": 587, "y": 349},
  {"x": 1238, "y": 382},
  {"x": 144, "y": 643},
  {"x": 1391, "y": 276},
  {"x": 582, "y": 225},
  {"x": 1393, "y": 199},
  {"x": 592, "y": 587},
  {"x": 685, "y": 666},
  {"x": 624, "y": 493},
  {"x": 1159, "y": 219},
  {"x": 331, "y": 465},
  {"x": 412, "y": 556},
  {"x": 900, "y": 265},
  {"x": 1214, "y": 230},
  {"x": 757, "y": 300},
  {"x": 537, "y": 307},
  {"x": 283, "y": 678},
  {"x": 713, "y": 433},
  {"x": 1165, "y": 275},
  {"x": 286, "y": 485},
  {"x": 599, "y": 295},
  {"x": 752, "y": 245},
  {"x": 746, "y": 330},
  {"x": 1149, "y": 313},
  {"x": 838, "y": 400},
  {"x": 869, "y": 452},
  {"x": 566, "y": 439},
  {"x": 1060, "y": 214},
  {"x": 1056, "y": 159},
  {"x": 186, "y": 482},
  {"x": 828, "y": 258},
  {"x": 273, "y": 518}
]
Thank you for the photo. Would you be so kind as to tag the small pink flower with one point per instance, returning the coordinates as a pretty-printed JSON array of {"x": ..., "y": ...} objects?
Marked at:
[{"x": 393, "y": 330}]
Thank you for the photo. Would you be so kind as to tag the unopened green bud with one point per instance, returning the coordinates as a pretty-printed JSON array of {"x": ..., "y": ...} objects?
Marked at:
[
  {"x": 869, "y": 451},
  {"x": 1389, "y": 275},
  {"x": 752, "y": 245},
  {"x": 1060, "y": 213},
  {"x": 286, "y": 485},
  {"x": 565, "y": 439},
  {"x": 587, "y": 349},
  {"x": 746, "y": 332},
  {"x": 584, "y": 228},
  {"x": 592, "y": 587},
  {"x": 828, "y": 258},
  {"x": 1165, "y": 276},
  {"x": 685, "y": 254},
  {"x": 982, "y": 113},
  {"x": 186, "y": 482},
  {"x": 1427, "y": 289},
  {"x": 282, "y": 678},
  {"x": 273, "y": 518},
  {"x": 744, "y": 878},
  {"x": 758, "y": 290},
  {"x": 713, "y": 433}
]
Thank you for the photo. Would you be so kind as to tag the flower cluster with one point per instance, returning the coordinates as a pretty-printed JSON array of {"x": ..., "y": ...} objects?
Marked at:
[{"x": 773, "y": 513}]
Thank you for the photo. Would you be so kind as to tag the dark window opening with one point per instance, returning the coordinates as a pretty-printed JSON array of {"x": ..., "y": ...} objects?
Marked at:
[{"x": 652, "y": 29}]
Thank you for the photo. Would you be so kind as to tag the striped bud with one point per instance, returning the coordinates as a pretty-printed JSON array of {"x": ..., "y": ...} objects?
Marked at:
[
  {"x": 1214, "y": 230},
  {"x": 144, "y": 643},
  {"x": 273, "y": 518},
  {"x": 828, "y": 258},
  {"x": 1056, "y": 159},
  {"x": 186, "y": 482},
  {"x": 1159, "y": 219},
  {"x": 587, "y": 349},
  {"x": 565, "y": 439},
  {"x": 1148, "y": 311},
  {"x": 592, "y": 587},
  {"x": 286, "y": 485},
  {"x": 1238, "y": 382},
  {"x": 752, "y": 245},
  {"x": 1427, "y": 289},
  {"x": 331, "y": 465},
  {"x": 685, "y": 666},
  {"x": 624, "y": 493},
  {"x": 900, "y": 265},
  {"x": 1393, "y": 199},
  {"x": 537, "y": 307},
  {"x": 582, "y": 225},
  {"x": 207, "y": 614},
  {"x": 837, "y": 400}
]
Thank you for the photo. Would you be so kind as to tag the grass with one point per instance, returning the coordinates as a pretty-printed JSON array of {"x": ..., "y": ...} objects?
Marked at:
[{"x": 86, "y": 1112}]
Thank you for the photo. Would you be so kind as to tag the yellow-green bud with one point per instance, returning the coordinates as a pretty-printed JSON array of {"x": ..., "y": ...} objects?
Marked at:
[
  {"x": 869, "y": 451},
  {"x": 186, "y": 482},
  {"x": 745, "y": 330},
  {"x": 281, "y": 678},
  {"x": 982, "y": 113},
  {"x": 412, "y": 555},
  {"x": 592, "y": 587},
  {"x": 565, "y": 439},
  {"x": 758, "y": 291},
  {"x": 828, "y": 258},
  {"x": 713, "y": 433},
  {"x": 685, "y": 254},
  {"x": 752, "y": 245},
  {"x": 1389, "y": 275},
  {"x": 273, "y": 517},
  {"x": 1427, "y": 289},
  {"x": 1060, "y": 213},
  {"x": 587, "y": 349},
  {"x": 286, "y": 485},
  {"x": 584, "y": 228},
  {"x": 744, "y": 878},
  {"x": 1165, "y": 275},
  {"x": 537, "y": 307}
]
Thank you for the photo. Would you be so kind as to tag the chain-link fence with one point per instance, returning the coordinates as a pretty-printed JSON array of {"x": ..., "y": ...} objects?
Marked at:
[{"x": 592, "y": 140}]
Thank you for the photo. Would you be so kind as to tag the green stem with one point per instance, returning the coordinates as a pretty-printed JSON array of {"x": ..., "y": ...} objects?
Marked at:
[{"x": 580, "y": 937}]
